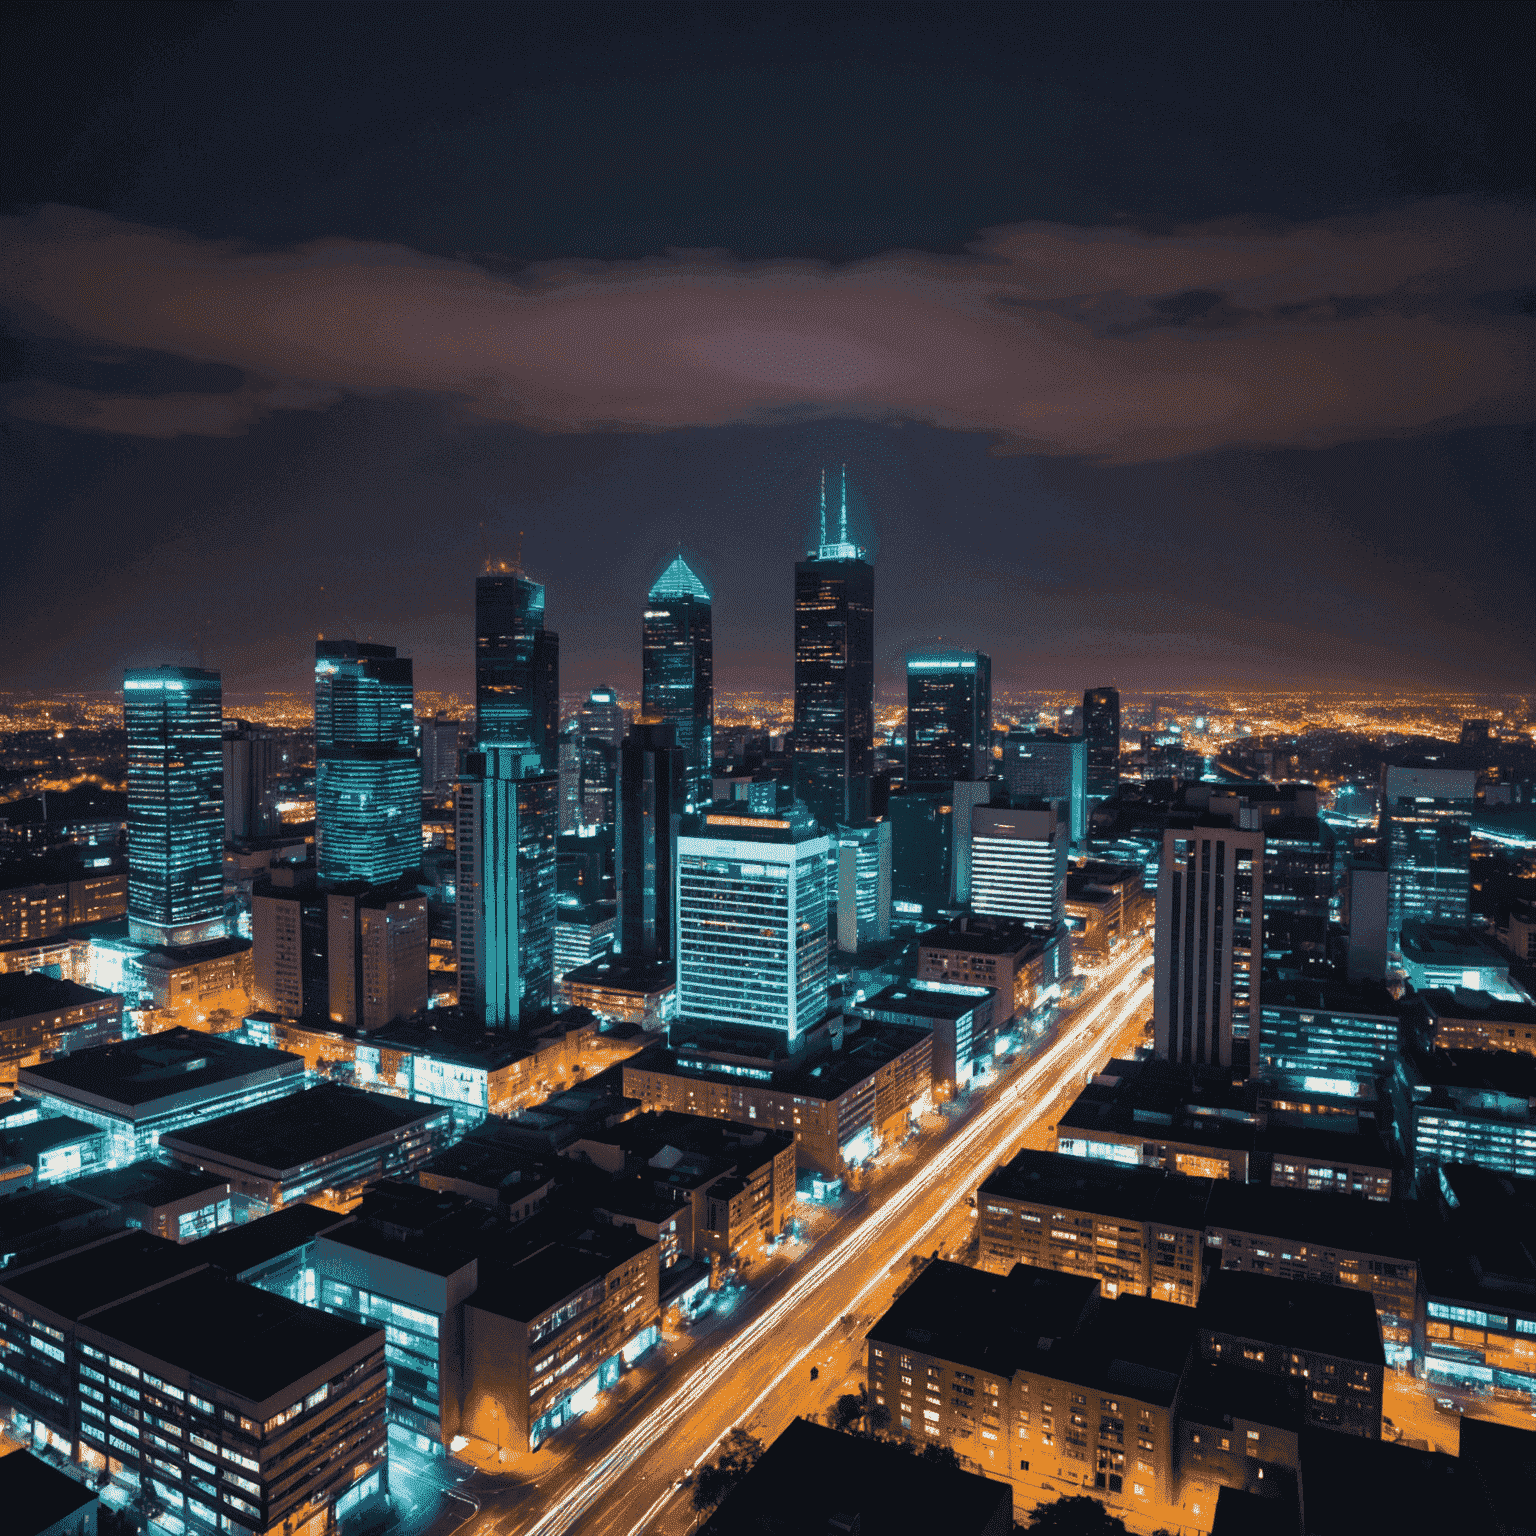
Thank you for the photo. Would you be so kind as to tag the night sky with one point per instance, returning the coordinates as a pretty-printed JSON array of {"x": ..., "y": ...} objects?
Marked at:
[{"x": 1165, "y": 345}]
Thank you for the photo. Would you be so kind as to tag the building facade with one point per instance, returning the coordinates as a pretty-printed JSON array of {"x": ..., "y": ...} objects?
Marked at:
[
  {"x": 677, "y": 670},
  {"x": 949, "y": 717},
  {"x": 863, "y": 885},
  {"x": 1426, "y": 827},
  {"x": 656, "y": 781},
  {"x": 1101, "y": 727},
  {"x": 1041, "y": 765},
  {"x": 174, "y": 720},
  {"x": 517, "y": 666},
  {"x": 1019, "y": 863}
]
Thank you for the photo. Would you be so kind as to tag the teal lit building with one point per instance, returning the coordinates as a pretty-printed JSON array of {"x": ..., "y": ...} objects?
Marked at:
[
  {"x": 678, "y": 669},
  {"x": 507, "y": 813},
  {"x": 1047, "y": 766},
  {"x": 517, "y": 667},
  {"x": 1426, "y": 827},
  {"x": 174, "y": 717},
  {"x": 367, "y": 764},
  {"x": 1336, "y": 1037},
  {"x": 752, "y": 919},
  {"x": 949, "y": 717}
]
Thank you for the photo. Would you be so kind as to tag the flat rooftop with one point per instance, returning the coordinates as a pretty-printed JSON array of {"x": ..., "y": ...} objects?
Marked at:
[
  {"x": 1318, "y": 1218},
  {"x": 149, "y": 1183},
  {"x": 1369, "y": 999},
  {"x": 284, "y": 1135},
  {"x": 183, "y": 956},
  {"x": 100, "y": 1273},
  {"x": 247, "y": 1341},
  {"x": 25, "y": 1215},
  {"x": 1108, "y": 1189},
  {"x": 1294, "y": 1314},
  {"x": 915, "y": 1001},
  {"x": 461, "y": 1043},
  {"x": 35, "y": 1496},
  {"x": 619, "y": 975},
  {"x": 24, "y": 993},
  {"x": 238, "y": 1250},
  {"x": 1465, "y": 1006},
  {"x": 986, "y": 936},
  {"x": 29, "y": 1142},
  {"x": 141, "y": 1077},
  {"x": 520, "y": 1287}
]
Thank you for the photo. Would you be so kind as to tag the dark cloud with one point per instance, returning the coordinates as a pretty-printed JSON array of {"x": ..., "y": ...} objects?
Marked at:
[{"x": 1222, "y": 335}]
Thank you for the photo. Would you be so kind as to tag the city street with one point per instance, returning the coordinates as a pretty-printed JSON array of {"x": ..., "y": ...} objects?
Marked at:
[{"x": 621, "y": 1477}]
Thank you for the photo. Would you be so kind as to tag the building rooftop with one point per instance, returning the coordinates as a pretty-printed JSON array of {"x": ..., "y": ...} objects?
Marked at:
[
  {"x": 460, "y": 1042},
  {"x": 1110, "y": 1189},
  {"x": 30, "y": 1213},
  {"x": 926, "y": 1000},
  {"x": 239, "y": 1250},
  {"x": 141, "y": 1078},
  {"x": 734, "y": 821},
  {"x": 1480, "y": 1239},
  {"x": 621, "y": 975},
  {"x": 813, "y": 1479},
  {"x": 182, "y": 956},
  {"x": 245, "y": 1340},
  {"x": 280, "y": 1137},
  {"x": 1351, "y": 1484},
  {"x": 35, "y": 1496},
  {"x": 1293, "y": 1314},
  {"x": 27, "y": 1143},
  {"x": 522, "y": 1284},
  {"x": 1369, "y": 998},
  {"x": 985, "y": 935},
  {"x": 434, "y": 1256},
  {"x": 23, "y": 993},
  {"x": 1318, "y": 1218},
  {"x": 77, "y": 1284},
  {"x": 149, "y": 1183},
  {"x": 1475, "y": 1007}
]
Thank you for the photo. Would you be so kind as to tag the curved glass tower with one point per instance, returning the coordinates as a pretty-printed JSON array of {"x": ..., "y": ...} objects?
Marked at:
[{"x": 677, "y": 663}]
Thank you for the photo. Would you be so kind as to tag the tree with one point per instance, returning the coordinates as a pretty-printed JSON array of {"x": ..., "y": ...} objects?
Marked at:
[
  {"x": 848, "y": 1410},
  {"x": 739, "y": 1453},
  {"x": 878, "y": 1419},
  {"x": 937, "y": 1455},
  {"x": 1077, "y": 1515}
]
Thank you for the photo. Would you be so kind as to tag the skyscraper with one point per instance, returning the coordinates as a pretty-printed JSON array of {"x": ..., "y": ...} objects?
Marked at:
[
  {"x": 517, "y": 667},
  {"x": 507, "y": 813},
  {"x": 174, "y": 720},
  {"x": 1210, "y": 915},
  {"x": 654, "y": 775},
  {"x": 252, "y": 760},
  {"x": 367, "y": 769},
  {"x": 1426, "y": 827},
  {"x": 439, "y": 755},
  {"x": 1050, "y": 767},
  {"x": 1019, "y": 862},
  {"x": 949, "y": 717},
  {"x": 835, "y": 673},
  {"x": 602, "y": 715},
  {"x": 677, "y": 661},
  {"x": 752, "y": 919},
  {"x": 863, "y": 891},
  {"x": 1101, "y": 727}
]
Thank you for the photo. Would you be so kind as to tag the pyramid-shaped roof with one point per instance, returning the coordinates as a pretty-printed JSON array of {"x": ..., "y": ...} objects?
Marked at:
[{"x": 679, "y": 580}]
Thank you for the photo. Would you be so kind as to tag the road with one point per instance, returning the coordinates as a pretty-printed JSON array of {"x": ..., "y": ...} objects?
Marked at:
[{"x": 619, "y": 1478}]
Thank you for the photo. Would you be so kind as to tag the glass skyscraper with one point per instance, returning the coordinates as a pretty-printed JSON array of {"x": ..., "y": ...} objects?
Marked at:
[
  {"x": 367, "y": 765},
  {"x": 1426, "y": 827},
  {"x": 174, "y": 717},
  {"x": 752, "y": 919},
  {"x": 517, "y": 667},
  {"x": 1019, "y": 863},
  {"x": 863, "y": 889},
  {"x": 654, "y": 777},
  {"x": 678, "y": 669},
  {"x": 835, "y": 674},
  {"x": 1050, "y": 767},
  {"x": 507, "y": 814},
  {"x": 949, "y": 718},
  {"x": 1101, "y": 727}
]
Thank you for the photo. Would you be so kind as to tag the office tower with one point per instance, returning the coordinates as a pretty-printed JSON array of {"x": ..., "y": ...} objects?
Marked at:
[
  {"x": 677, "y": 661},
  {"x": 1019, "y": 862},
  {"x": 1298, "y": 888},
  {"x": 568, "y": 771},
  {"x": 1426, "y": 827},
  {"x": 931, "y": 846},
  {"x": 1210, "y": 913},
  {"x": 439, "y": 755},
  {"x": 1101, "y": 726},
  {"x": 1366, "y": 888},
  {"x": 602, "y": 715},
  {"x": 752, "y": 919},
  {"x": 174, "y": 721},
  {"x": 1045, "y": 766},
  {"x": 835, "y": 673},
  {"x": 252, "y": 760},
  {"x": 367, "y": 770},
  {"x": 517, "y": 667},
  {"x": 654, "y": 780},
  {"x": 508, "y": 813},
  {"x": 949, "y": 717},
  {"x": 863, "y": 891},
  {"x": 354, "y": 955},
  {"x": 599, "y": 775}
]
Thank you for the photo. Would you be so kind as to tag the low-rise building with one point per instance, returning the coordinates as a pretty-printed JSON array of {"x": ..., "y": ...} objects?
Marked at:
[
  {"x": 41, "y": 898},
  {"x": 494, "y": 1169},
  {"x": 137, "y": 1089},
  {"x": 846, "y": 1092},
  {"x": 1324, "y": 1337},
  {"x": 1331, "y": 1032},
  {"x": 39, "y": 1500},
  {"x": 190, "y": 983},
  {"x": 39, "y": 1149},
  {"x": 42, "y": 1017},
  {"x": 1469, "y": 1107},
  {"x": 1023, "y": 966},
  {"x": 1463, "y": 1020},
  {"x": 958, "y": 1015},
  {"x": 584, "y": 932},
  {"x": 37, "y": 1222},
  {"x": 177, "y": 1203},
  {"x": 616, "y": 988},
  {"x": 1449, "y": 955},
  {"x": 1106, "y": 903},
  {"x": 327, "y": 1143}
]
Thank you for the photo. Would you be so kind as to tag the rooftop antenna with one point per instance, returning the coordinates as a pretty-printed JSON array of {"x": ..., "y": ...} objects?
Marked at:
[
  {"x": 842, "y": 525},
  {"x": 518, "y": 566},
  {"x": 823, "y": 504}
]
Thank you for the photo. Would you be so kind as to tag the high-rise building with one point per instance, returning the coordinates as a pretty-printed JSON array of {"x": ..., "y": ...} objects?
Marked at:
[
  {"x": 174, "y": 720},
  {"x": 1210, "y": 918},
  {"x": 1019, "y": 862},
  {"x": 863, "y": 890},
  {"x": 602, "y": 715},
  {"x": 949, "y": 717},
  {"x": 517, "y": 667},
  {"x": 439, "y": 755},
  {"x": 508, "y": 813},
  {"x": 835, "y": 674},
  {"x": 1101, "y": 727},
  {"x": 367, "y": 767},
  {"x": 678, "y": 668},
  {"x": 568, "y": 771},
  {"x": 252, "y": 761},
  {"x": 1042, "y": 765},
  {"x": 1426, "y": 829},
  {"x": 654, "y": 779},
  {"x": 752, "y": 919}
]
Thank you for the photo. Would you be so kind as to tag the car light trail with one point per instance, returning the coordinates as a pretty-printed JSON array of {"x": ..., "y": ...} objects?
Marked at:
[{"x": 963, "y": 1154}]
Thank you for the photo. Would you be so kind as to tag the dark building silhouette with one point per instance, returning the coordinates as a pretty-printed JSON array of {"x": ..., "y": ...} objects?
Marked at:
[
  {"x": 1101, "y": 725},
  {"x": 654, "y": 775},
  {"x": 678, "y": 669},
  {"x": 835, "y": 675},
  {"x": 252, "y": 761},
  {"x": 517, "y": 667},
  {"x": 949, "y": 717}
]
